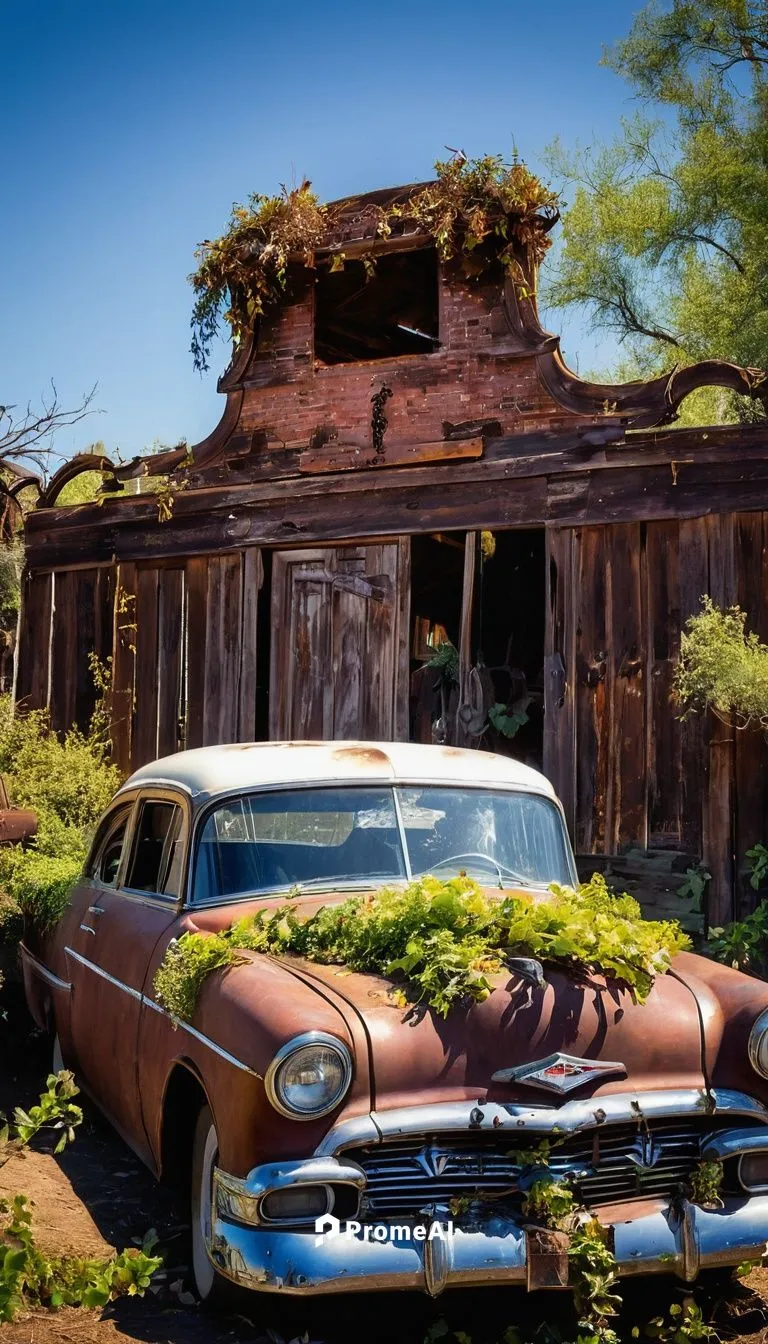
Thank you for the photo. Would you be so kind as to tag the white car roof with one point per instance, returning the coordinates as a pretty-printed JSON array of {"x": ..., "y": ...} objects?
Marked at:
[{"x": 248, "y": 765}]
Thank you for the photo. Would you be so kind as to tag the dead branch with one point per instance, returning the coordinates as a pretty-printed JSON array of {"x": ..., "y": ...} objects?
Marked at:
[{"x": 26, "y": 437}]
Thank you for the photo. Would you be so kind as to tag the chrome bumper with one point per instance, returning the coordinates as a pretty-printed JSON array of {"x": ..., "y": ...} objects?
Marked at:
[{"x": 490, "y": 1252}]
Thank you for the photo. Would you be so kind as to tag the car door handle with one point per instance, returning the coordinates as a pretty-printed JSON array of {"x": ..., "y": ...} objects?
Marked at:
[{"x": 96, "y": 910}]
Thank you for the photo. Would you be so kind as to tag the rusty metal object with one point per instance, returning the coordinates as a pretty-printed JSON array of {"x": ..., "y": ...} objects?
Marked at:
[{"x": 16, "y": 824}]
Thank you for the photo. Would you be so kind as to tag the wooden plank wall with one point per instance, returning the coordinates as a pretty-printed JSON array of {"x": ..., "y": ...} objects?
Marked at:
[
  {"x": 67, "y": 617},
  {"x": 632, "y": 774},
  {"x": 185, "y": 655}
]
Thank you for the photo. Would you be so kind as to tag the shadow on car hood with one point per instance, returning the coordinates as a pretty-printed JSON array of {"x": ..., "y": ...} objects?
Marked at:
[{"x": 418, "y": 1056}]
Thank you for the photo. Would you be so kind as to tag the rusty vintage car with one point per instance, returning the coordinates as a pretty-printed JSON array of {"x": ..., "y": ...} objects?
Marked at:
[{"x": 298, "y": 1093}]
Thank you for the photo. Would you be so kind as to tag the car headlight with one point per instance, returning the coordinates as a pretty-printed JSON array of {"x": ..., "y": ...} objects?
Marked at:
[
  {"x": 758, "y": 1045},
  {"x": 309, "y": 1076}
]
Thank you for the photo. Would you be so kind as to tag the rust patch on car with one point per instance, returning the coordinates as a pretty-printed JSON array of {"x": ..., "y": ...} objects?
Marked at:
[{"x": 362, "y": 755}]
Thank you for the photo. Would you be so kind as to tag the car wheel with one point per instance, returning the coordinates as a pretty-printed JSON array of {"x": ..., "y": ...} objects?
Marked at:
[{"x": 209, "y": 1283}]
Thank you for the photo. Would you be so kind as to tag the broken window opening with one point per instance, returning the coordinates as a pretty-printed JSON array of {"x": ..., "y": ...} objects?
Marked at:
[{"x": 390, "y": 312}]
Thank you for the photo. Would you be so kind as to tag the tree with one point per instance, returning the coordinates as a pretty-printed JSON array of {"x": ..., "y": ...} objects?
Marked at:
[
  {"x": 665, "y": 242},
  {"x": 26, "y": 437}
]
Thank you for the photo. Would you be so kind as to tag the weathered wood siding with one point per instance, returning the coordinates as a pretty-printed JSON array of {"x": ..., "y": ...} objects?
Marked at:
[
  {"x": 339, "y": 658},
  {"x": 182, "y": 638},
  {"x": 632, "y": 775},
  {"x": 67, "y": 617}
]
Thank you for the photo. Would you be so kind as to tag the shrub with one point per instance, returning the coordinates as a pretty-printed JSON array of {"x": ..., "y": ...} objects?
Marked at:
[
  {"x": 722, "y": 667},
  {"x": 41, "y": 885},
  {"x": 68, "y": 778},
  {"x": 68, "y": 781}
]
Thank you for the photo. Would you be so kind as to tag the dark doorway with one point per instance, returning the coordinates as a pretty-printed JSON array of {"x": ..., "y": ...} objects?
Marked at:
[
  {"x": 437, "y": 576},
  {"x": 498, "y": 705},
  {"x": 508, "y": 638}
]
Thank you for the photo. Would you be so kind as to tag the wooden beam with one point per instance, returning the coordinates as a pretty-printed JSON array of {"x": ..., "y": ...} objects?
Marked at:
[
  {"x": 351, "y": 457},
  {"x": 463, "y": 738}
]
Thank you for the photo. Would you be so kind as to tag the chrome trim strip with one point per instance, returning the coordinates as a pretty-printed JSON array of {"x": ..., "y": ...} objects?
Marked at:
[
  {"x": 481, "y": 1116},
  {"x": 91, "y": 965},
  {"x": 735, "y": 1142},
  {"x": 204, "y": 1040},
  {"x": 43, "y": 971},
  {"x": 362, "y": 1129},
  {"x": 150, "y": 1003}
]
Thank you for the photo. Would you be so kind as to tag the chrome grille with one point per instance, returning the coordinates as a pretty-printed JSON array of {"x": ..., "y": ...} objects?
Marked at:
[{"x": 604, "y": 1165}]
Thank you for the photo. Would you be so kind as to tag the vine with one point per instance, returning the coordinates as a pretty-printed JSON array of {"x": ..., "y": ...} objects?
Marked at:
[
  {"x": 479, "y": 213},
  {"x": 245, "y": 271},
  {"x": 440, "y": 940}
]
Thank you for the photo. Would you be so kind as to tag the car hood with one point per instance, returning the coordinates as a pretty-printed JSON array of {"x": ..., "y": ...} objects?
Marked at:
[
  {"x": 418, "y": 1056},
  {"x": 691, "y": 1032}
]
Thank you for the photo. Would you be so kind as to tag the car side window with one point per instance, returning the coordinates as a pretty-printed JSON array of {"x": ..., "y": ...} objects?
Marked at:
[
  {"x": 154, "y": 862},
  {"x": 107, "y": 851}
]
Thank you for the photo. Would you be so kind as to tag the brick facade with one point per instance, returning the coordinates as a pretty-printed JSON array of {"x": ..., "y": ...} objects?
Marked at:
[{"x": 479, "y": 372}]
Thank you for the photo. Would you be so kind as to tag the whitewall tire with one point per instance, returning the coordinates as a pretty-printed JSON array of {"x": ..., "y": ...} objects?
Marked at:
[{"x": 205, "y": 1151}]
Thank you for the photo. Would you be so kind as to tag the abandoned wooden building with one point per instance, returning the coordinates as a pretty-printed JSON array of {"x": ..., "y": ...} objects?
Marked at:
[{"x": 406, "y": 472}]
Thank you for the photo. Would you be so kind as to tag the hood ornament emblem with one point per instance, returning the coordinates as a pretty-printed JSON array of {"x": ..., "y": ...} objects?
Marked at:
[{"x": 559, "y": 1073}]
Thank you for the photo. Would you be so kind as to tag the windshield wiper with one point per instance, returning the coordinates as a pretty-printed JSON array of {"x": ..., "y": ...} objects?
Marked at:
[{"x": 339, "y": 884}]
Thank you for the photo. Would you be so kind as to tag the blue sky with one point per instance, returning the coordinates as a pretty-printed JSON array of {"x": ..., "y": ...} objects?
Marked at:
[{"x": 128, "y": 129}]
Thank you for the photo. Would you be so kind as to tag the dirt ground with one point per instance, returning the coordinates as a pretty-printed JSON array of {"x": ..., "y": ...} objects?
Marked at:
[{"x": 96, "y": 1196}]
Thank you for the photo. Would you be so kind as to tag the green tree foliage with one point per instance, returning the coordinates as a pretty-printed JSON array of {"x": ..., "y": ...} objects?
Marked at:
[{"x": 665, "y": 241}]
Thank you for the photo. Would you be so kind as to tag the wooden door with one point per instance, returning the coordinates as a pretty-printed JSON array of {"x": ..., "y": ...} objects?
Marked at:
[{"x": 339, "y": 661}]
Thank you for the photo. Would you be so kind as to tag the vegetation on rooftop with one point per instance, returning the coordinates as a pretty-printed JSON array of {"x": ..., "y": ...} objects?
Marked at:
[{"x": 479, "y": 212}]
